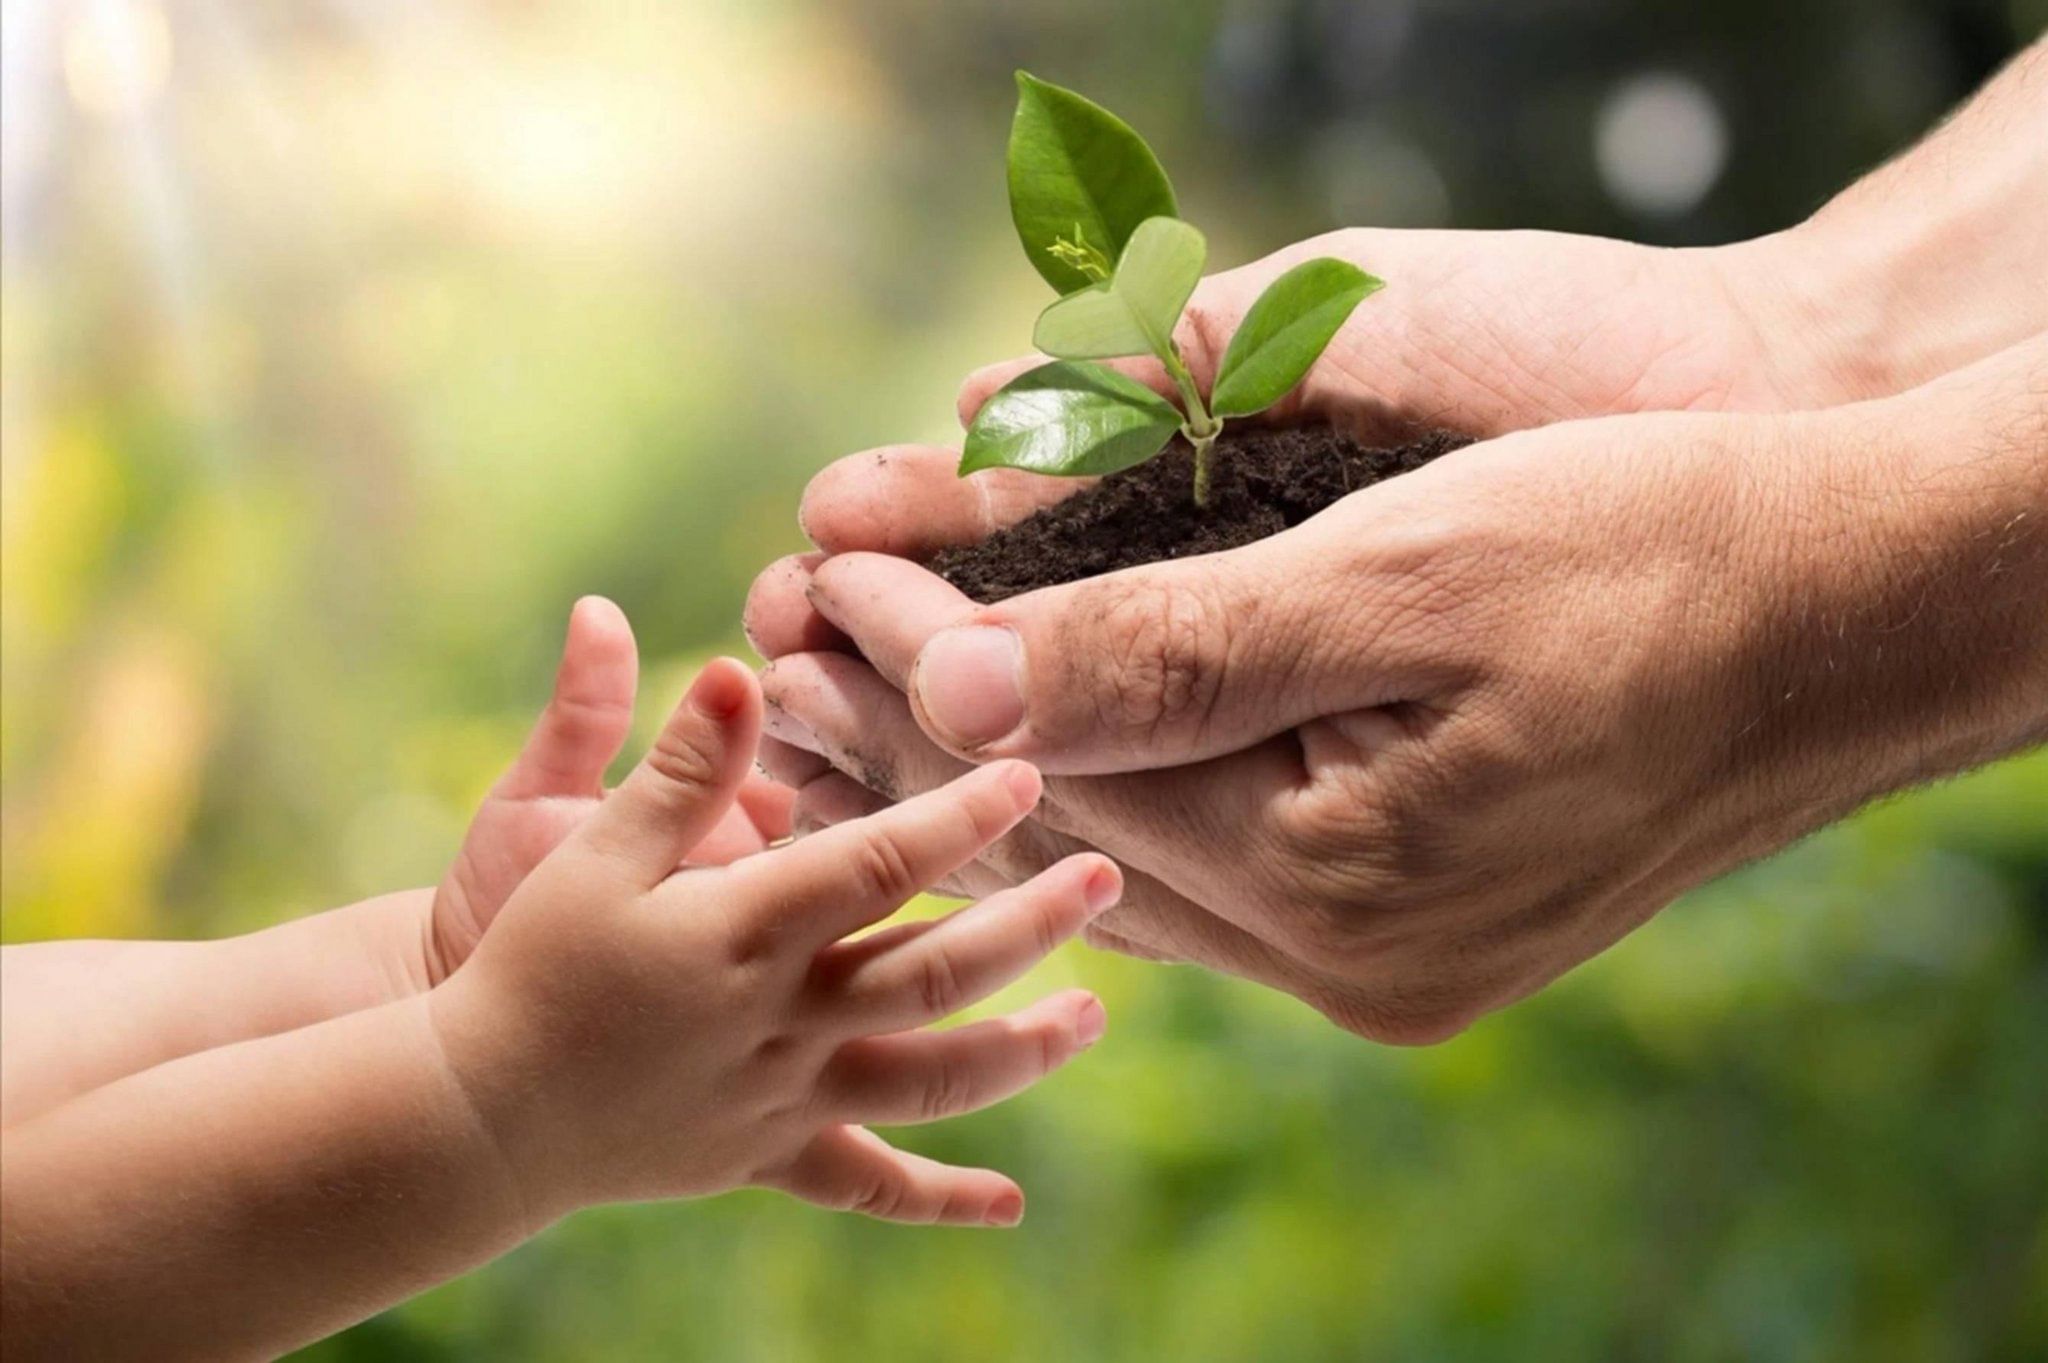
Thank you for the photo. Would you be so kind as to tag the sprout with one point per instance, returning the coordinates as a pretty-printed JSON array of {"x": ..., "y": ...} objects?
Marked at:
[{"x": 1098, "y": 220}]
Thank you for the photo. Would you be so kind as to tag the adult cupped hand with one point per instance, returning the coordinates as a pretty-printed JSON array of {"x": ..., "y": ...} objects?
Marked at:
[{"x": 1417, "y": 756}]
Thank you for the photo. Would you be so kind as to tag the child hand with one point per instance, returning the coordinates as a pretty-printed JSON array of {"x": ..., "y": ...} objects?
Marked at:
[
  {"x": 557, "y": 781},
  {"x": 629, "y": 1030}
]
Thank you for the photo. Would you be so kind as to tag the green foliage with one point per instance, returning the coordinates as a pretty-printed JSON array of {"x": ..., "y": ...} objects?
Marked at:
[
  {"x": 1133, "y": 312},
  {"x": 1081, "y": 182},
  {"x": 1286, "y": 329},
  {"x": 1086, "y": 190},
  {"x": 1797, "y": 1116},
  {"x": 1071, "y": 419}
]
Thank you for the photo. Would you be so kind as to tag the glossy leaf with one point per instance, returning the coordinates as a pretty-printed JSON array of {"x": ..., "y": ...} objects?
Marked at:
[
  {"x": 1081, "y": 181},
  {"x": 1070, "y": 419},
  {"x": 1134, "y": 312},
  {"x": 1286, "y": 329}
]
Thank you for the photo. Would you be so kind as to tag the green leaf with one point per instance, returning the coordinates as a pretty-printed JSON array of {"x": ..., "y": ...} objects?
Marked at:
[
  {"x": 1080, "y": 183},
  {"x": 1285, "y": 331},
  {"x": 1134, "y": 312},
  {"x": 1069, "y": 419}
]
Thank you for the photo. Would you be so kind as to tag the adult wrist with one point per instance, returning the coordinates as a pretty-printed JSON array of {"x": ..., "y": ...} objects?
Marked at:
[
  {"x": 1921, "y": 554},
  {"x": 1922, "y": 269}
]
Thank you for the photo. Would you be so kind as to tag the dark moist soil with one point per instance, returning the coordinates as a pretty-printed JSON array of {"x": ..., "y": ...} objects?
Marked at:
[{"x": 1262, "y": 482}]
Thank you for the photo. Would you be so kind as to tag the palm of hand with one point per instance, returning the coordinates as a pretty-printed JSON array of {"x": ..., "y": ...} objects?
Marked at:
[{"x": 509, "y": 836}]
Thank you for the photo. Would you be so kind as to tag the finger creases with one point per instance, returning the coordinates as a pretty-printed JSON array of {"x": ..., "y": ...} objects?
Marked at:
[
  {"x": 969, "y": 955},
  {"x": 925, "y": 1076},
  {"x": 588, "y": 716},
  {"x": 822, "y": 887},
  {"x": 849, "y": 1168},
  {"x": 689, "y": 777}
]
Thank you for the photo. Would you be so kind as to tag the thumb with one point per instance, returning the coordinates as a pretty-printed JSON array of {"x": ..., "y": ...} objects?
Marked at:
[
  {"x": 587, "y": 718},
  {"x": 688, "y": 779},
  {"x": 1150, "y": 667}
]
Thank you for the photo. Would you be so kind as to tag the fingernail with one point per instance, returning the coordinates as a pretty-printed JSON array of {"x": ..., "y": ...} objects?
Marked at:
[
  {"x": 1092, "y": 1022},
  {"x": 1105, "y": 886},
  {"x": 1006, "y": 1210},
  {"x": 969, "y": 681},
  {"x": 1024, "y": 782},
  {"x": 720, "y": 689}
]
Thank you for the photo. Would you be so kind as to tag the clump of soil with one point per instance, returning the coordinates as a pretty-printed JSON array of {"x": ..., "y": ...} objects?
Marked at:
[{"x": 1262, "y": 481}]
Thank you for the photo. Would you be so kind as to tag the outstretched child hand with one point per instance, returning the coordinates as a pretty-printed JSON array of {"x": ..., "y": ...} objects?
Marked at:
[
  {"x": 557, "y": 781},
  {"x": 631, "y": 1030},
  {"x": 629, "y": 1027}
]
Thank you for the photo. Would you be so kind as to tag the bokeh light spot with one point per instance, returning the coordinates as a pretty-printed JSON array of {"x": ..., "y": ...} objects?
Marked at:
[
  {"x": 117, "y": 56},
  {"x": 1660, "y": 143}
]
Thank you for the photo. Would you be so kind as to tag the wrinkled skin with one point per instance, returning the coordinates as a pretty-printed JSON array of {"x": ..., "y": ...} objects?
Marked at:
[{"x": 1413, "y": 759}]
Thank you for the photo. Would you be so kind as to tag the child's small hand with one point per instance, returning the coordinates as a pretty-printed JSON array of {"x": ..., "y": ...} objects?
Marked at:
[
  {"x": 629, "y": 1030},
  {"x": 557, "y": 781}
]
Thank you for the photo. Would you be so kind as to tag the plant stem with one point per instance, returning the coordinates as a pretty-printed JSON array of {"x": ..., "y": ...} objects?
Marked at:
[
  {"x": 1200, "y": 428},
  {"x": 1202, "y": 444}
]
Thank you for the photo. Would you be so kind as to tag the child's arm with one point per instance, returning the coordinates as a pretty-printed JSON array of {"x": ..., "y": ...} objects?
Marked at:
[
  {"x": 76, "y": 1015},
  {"x": 626, "y": 1030}
]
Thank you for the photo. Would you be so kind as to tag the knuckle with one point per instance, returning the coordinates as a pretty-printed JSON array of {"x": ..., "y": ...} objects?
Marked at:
[
  {"x": 1047, "y": 932},
  {"x": 983, "y": 820},
  {"x": 949, "y": 1091},
  {"x": 1053, "y": 1050},
  {"x": 878, "y": 1196},
  {"x": 1166, "y": 649},
  {"x": 681, "y": 759},
  {"x": 939, "y": 990},
  {"x": 882, "y": 870},
  {"x": 578, "y": 719}
]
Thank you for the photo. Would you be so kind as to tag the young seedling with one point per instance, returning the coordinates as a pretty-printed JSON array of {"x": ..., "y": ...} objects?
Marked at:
[{"x": 1098, "y": 220}]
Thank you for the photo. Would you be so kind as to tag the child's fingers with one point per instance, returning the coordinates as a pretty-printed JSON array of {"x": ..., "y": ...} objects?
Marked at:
[
  {"x": 587, "y": 718},
  {"x": 825, "y": 886},
  {"x": 923, "y": 1076},
  {"x": 834, "y": 799},
  {"x": 687, "y": 780},
  {"x": 970, "y": 955},
  {"x": 851, "y": 1169}
]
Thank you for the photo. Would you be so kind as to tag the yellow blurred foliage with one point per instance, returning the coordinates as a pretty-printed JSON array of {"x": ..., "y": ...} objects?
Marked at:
[{"x": 85, "y": 856}]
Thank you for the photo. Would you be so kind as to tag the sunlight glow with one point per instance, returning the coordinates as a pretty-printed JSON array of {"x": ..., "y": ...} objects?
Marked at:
[{"x": 117, "y": 56}]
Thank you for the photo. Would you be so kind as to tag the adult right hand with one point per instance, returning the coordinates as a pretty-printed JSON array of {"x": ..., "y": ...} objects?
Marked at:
[{"x": 1417, "y": 756}]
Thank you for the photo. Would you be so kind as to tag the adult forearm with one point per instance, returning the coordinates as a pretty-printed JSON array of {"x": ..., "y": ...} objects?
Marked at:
[
  {"x": 1903, "y": 576},
  {"x": 77, "y": 1015},
  {"x": 1935, "y": 260},
  {"x": 355, "y": 1176}
]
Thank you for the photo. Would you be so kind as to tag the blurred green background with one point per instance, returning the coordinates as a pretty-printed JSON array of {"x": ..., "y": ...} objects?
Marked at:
[{"x": 346, "y": 343}]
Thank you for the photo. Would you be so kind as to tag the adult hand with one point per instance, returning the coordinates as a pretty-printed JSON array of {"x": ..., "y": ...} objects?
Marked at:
[
  {"x": 1415, "y": 757},
  {"x": 1469, "y": 726}
]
